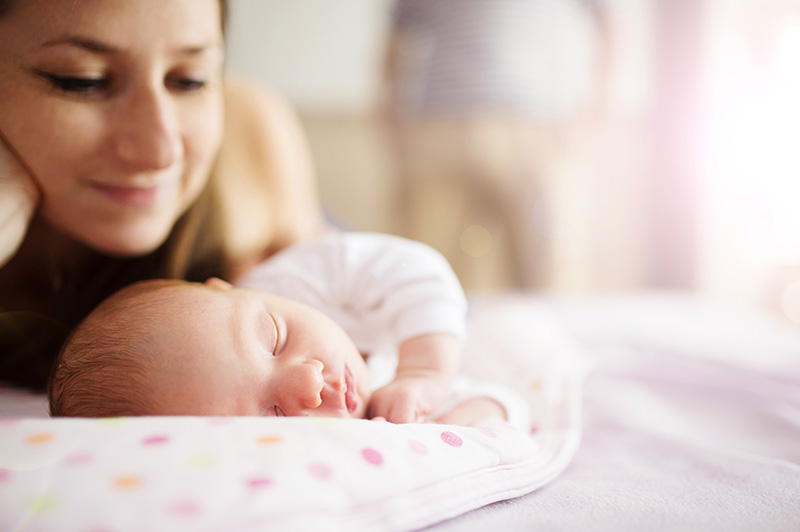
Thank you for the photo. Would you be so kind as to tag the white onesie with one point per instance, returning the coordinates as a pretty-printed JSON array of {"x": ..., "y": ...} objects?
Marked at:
[{"x": 382, "y": 290}]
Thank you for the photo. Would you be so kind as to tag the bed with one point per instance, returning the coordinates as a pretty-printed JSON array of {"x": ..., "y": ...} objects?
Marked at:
[{"x": 656, "y": 411}]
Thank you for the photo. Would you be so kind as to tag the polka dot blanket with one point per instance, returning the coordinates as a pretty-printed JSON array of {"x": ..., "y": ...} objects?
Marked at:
[{"x": 240, "y": 474}]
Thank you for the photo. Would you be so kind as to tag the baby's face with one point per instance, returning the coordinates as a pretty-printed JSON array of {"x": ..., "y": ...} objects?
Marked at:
[{"x": 231, "y": 351}]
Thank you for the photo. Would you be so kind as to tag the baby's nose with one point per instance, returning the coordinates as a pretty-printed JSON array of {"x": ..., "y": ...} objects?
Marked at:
[{"x": 307, "y": 383}]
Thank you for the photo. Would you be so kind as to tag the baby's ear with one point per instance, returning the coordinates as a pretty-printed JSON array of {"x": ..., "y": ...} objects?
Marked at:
[{"x": 216, "y": 282}]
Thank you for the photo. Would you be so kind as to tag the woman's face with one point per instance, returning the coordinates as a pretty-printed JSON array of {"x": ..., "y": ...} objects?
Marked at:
[{"x": 115, "y": 106}]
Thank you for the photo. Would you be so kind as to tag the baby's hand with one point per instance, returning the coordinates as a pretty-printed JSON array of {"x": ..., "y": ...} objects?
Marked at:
[
  {"x": 409, "y": 398},
  {"x": 18, "y": 198}
]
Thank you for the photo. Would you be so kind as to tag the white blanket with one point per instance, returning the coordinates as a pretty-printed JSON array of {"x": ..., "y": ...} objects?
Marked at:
[{"x": 231, "y": 474}]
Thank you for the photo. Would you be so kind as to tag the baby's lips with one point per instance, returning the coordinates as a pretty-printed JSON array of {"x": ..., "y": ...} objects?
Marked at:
[{"x": 350, "y": 396}]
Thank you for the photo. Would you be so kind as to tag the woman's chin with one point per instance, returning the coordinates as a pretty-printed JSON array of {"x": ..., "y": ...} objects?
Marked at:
[{"x": 124, "y": 244}]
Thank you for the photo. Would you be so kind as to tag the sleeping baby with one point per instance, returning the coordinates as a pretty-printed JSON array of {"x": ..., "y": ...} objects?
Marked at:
[{"x": 347, "y": 325}]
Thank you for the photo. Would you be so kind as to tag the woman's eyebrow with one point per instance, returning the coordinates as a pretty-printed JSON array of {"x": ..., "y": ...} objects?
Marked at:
[
  {"x": 87, "y": 43},
  {"x": 96, "y": 46}
]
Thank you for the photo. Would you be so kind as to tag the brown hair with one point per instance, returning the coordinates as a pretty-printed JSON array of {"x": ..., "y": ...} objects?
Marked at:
[
  {"x": 5, "y": 7},
  {"x": 105, "y": 367}
]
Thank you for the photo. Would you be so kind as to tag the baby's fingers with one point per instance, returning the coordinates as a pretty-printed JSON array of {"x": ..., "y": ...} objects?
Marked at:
[{"x": 404, "y": 410}]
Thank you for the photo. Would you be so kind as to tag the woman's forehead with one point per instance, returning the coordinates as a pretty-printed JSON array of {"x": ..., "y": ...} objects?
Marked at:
[{"x": 121, "y": 23}]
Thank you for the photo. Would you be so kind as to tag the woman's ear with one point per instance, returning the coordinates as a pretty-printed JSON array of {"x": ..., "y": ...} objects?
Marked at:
[{"x": 216, "y": 282}]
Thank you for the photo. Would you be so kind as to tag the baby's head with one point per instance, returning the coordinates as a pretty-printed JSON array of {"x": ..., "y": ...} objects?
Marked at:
[{"x": 177, "y": 348}]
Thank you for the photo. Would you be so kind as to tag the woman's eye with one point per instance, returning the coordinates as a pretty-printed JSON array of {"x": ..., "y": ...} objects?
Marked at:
[
  {"x": 77, "y": 84},
  {"x": 186, "y": 84}
]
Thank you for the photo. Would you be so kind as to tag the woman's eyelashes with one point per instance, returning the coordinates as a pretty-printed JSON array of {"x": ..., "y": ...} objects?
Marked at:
[
  {"x": 80, "y": 85},
  {"x": 186, "y": 84},
  {"x": 96, "y": 85}
]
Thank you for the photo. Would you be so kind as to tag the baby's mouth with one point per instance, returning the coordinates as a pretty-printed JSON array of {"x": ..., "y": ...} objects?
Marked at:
[{"x": 350, "y": 396}]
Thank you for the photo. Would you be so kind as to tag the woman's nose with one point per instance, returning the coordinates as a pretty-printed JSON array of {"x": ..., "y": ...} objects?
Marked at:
[
  {"x": 148, "y": 135},
  {"x": 302, "y": 384}
]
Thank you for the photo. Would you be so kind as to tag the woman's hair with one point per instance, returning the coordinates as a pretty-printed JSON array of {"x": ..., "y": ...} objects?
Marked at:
[{"x": 5, "y": 7}]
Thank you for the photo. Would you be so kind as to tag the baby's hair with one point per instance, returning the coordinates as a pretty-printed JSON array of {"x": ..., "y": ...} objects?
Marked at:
[{"x": 102, "y": 370}]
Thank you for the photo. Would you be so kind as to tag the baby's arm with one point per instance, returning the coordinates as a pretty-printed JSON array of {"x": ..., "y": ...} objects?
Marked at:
[{"x": 425, "y": 368}]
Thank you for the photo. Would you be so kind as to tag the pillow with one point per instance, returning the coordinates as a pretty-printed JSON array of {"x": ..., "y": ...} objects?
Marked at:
[{"x": 240, "y": 473}]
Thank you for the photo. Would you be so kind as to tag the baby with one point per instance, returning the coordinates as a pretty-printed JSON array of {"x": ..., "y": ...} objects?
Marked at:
[{"x": 289, "y": 340}]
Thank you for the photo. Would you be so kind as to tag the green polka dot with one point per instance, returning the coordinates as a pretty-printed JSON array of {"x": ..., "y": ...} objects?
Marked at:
[
  {"x": 42, "y": 504},
  {"x": 111, "y": 421},
  {"x": 202, "y": 461}
]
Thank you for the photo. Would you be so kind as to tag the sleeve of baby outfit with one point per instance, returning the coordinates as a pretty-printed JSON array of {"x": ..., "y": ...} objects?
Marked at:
[
  {"x": 372, "y": 284},
  {"x": 404, "y": 286}
]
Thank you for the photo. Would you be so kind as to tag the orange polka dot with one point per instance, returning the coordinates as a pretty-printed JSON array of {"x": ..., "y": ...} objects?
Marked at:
[
  {"x": 269, "y": 440},
  {"x": 126, "y": 481},
  {"x": 37, "y": 439}
]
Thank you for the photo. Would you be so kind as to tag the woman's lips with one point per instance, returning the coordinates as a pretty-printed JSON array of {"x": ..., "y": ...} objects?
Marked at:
[
  {"x": 350, "y": 396},
  {"x": 133, "y": 196}
]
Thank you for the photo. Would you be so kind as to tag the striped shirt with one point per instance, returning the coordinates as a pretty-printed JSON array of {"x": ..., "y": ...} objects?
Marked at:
[{"x": 528, "y": 56}]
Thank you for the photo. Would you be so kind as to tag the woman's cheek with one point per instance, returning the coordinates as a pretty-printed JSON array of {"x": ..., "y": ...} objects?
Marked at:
[{"x": 203, "y": 127}]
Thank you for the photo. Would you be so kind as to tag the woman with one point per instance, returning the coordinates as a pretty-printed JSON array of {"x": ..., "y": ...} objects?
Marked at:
[{"x": 115, "y": 165}]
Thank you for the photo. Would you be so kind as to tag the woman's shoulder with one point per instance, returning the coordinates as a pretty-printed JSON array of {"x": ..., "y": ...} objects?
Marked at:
[
  {"x": 265, "y": 176},
  {"x": 255, "y": 103},
  {"x": 262, "y": 128}
]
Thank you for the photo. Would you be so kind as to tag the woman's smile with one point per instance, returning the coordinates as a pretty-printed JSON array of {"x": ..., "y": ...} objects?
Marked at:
[{"x": 137, "y": 196}]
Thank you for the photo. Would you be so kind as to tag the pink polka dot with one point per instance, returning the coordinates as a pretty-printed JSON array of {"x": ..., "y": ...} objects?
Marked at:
[
  {"x": 185, "y": 508},
  {"x": 487, "y": 432},
  {"x": 256, "y": 483},
  {"x": 320, "y": 470},
  {"x": 372, "y": 456},
  {"x": 155, "y": 440},
  {"x": 79, "y": 459},
  {"x": 417, "y": 447},
  {"x": 5, "y": 475},
  {"x": 451, "y": 438}
]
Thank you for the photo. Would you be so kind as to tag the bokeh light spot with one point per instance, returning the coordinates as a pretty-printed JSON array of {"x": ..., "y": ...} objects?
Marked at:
[{"x": 476, "y": 241}]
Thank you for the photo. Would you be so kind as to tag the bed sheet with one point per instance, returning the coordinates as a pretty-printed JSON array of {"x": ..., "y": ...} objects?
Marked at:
[
  {"x": 691, "y": 421},
  {"x": 690, "y": 418}
]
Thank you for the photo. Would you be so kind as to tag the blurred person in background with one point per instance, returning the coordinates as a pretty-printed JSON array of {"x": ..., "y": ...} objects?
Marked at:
[{"x": 488, "y": 102}]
